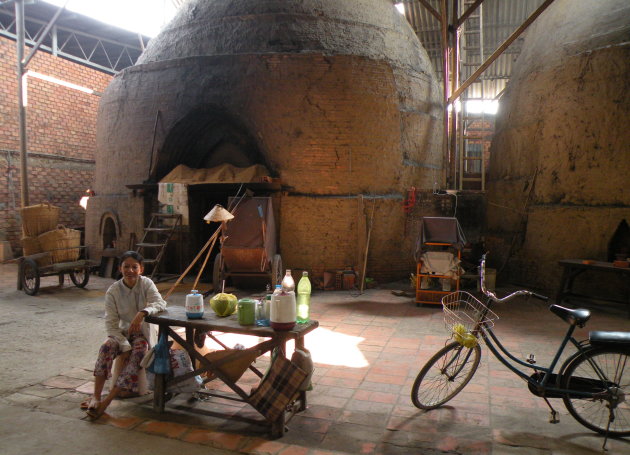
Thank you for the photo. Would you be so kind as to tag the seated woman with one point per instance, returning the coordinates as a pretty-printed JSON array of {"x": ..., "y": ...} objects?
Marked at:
[{"x": 127, "y": 302}]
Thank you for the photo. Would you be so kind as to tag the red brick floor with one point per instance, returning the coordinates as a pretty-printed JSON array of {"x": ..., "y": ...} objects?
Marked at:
[{"x": 368, "y": 351}]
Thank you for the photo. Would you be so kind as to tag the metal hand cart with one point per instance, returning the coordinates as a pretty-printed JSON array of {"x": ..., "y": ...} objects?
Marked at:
[{"x": 249, "y": 243}]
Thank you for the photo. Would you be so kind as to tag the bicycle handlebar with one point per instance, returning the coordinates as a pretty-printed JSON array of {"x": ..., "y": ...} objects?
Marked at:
[{"x": 492, "y": 296}]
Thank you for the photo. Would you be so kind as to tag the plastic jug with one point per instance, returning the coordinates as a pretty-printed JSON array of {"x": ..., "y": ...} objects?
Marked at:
[
  {"x": 194, "y": 305},
  {"x": 303, "y": 299},
  {"x": 282, "y": 312}
]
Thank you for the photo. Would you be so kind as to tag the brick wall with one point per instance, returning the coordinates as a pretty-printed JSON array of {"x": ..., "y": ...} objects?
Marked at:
[{"x": 61, "y": 141}]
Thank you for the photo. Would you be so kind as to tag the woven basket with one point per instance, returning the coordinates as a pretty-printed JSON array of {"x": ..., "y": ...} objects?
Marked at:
[
  {"x": 30, "y": 245},
  {"x": 61, "y": 237},
  {"x": 40, "y": 218}
]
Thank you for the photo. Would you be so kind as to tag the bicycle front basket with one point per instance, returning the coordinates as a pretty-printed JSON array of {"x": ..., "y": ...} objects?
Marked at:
[{"x": 463, "y": 308}]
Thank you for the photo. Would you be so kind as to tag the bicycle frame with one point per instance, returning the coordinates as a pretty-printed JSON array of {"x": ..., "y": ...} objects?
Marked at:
[
  {"x": 542, "y": 384},
  {"x": 492, "y": 342}
]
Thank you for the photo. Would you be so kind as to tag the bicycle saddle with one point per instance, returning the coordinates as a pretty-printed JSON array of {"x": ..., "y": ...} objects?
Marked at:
[
  {"x": 574, "y": 317},
  {"x": 611, "y": 339}
]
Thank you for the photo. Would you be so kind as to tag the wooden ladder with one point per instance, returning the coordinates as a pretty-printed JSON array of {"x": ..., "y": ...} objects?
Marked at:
[{"x": 155, "y": 239}]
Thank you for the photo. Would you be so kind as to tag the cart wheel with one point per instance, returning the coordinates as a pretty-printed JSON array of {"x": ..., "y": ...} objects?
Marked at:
[
  {"x": 30, "y": 276},
  {"x": 276, "y": 270},
  {"x": 80, "y": 277},
  {"x": 217, "y": 273}
]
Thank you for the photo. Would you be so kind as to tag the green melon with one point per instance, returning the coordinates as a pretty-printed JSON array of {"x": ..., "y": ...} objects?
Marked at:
[{"x": 223, "y": 304}]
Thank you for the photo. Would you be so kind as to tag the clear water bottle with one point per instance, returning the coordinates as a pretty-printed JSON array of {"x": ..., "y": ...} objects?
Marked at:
[
  {"x": 303, "y": 299},
  {"x": 288, "y": 285}
]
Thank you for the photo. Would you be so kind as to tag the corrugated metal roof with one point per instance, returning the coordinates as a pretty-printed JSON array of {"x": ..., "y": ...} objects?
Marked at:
[
  {"x": 493, "y": 22},
  {"x": 78, "y": 37}
]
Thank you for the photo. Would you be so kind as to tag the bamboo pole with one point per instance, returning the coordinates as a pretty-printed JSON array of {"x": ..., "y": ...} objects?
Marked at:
[
  {"x": 204, "y": 263},
  {"x": 181, "y": 277}
]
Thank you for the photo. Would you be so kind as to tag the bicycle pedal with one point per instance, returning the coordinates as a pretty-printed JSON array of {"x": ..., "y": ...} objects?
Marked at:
[{"x": 531, "y": 359}]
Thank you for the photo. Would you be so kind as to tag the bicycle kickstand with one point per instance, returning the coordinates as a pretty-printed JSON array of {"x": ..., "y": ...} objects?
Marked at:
[
  {"x": 611, "y": 417},
  {"x": 553, "y": 414}
]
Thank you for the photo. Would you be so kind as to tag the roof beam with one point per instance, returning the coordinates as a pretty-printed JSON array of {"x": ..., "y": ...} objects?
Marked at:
[
  {"x": 467, "y": 13},
  {"x": 457, "y": 93},
  {"x": 430, "y": 9}
]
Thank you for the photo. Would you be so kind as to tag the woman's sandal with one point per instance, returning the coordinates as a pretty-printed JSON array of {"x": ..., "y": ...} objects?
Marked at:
[
  {"x": 89, "y": 403},
  {"x": 94, "y": 414},
  {"x": 93, "y": 410}
]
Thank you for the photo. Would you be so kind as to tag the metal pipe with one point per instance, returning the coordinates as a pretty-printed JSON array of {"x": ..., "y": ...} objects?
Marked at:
[
  {"x": 500, "y": 50},
  {"x": 445, "y": 79},
  {"x": 19, "y": 31},
  {"x": 454, "y": 68}
]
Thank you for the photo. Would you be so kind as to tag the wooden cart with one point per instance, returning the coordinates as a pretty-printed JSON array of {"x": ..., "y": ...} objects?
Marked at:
[
  {"x": 249, "y": 244},
  {"x": 35, "y": 266}
]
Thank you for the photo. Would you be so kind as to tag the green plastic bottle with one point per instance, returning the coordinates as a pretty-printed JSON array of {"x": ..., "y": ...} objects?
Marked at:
[{"x": 303, "y": 299}]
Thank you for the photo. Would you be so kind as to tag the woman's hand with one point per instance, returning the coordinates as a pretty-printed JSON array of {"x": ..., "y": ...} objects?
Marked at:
[{"x": 136, "y": 323}]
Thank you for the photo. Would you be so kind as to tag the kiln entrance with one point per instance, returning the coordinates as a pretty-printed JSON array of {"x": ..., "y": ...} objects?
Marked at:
[{"x": 207, "y": 137}]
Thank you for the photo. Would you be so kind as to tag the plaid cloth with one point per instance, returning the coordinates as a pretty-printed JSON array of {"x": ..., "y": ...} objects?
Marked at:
[{"x": 278, "y": 388}]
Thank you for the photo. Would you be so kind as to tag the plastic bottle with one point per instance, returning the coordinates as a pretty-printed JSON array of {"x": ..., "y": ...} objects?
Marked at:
[
  {"x": 303, "y": 299},
  {"x": 194, "y": 305},
  {"x": 282, "y": 312},
  {"x": 288, "y": 284}
]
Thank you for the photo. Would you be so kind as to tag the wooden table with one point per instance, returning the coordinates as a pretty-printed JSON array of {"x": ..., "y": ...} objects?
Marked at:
[
  {"x": 174, "y": 317},
  {"x": 572, "y": 268}
]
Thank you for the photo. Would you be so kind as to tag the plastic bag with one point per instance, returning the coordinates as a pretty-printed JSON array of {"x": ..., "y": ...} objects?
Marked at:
[
  {"x": 161, "y": 361},
  {"x": 180, "y": 365}
]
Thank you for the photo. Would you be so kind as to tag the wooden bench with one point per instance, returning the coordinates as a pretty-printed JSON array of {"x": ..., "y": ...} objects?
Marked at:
[{"x": 572, "y": 268}]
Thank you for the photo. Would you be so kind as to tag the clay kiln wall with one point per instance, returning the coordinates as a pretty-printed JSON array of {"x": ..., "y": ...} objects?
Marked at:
[
  {"x": 561, "y": 156},
  {"x": 61, "y": 138},
  {"x": 339, "y": 98},
  {"x": 330, "y": 126}
]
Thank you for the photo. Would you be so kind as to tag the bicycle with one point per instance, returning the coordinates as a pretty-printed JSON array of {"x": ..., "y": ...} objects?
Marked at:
[{"x": 592, "y": 382}]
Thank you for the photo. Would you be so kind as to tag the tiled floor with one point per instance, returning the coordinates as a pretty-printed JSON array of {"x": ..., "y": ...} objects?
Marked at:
[{"x": 368, "y": 351}]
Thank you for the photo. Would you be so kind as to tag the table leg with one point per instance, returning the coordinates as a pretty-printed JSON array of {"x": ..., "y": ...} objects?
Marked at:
[
  {"x": 299, "y": 344},
  {"x": 277, "y": 427},
  {"x": 159, "y": 386},
  {"x": 566, "y": 284},
  {"x": 190, "y": 338},
  {"x": 563, "y": 285},
  {"x": 159, "y": 390}
]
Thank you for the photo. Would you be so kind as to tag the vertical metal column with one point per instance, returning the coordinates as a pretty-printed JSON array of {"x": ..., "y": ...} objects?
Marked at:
[
  {"x": 19, "y": 29},
  {"x": 454, "y": 69},
  {"x": 448, "y": 158}
]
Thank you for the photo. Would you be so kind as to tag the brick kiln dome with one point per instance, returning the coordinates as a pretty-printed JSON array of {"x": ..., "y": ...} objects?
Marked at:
[
  {"x": 562, "y": 140},
  {"x": 370, "y": 28},
  {"x": 336, "y": 98}
]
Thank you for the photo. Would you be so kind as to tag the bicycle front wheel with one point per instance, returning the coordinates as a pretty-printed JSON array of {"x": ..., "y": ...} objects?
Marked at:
[
  {"x": 445, "y": 375},
  {"x": 606, "y": 371}
]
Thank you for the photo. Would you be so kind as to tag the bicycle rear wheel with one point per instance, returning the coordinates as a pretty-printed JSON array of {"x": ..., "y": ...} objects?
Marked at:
[
  {"x": 614, "y": 374},
  {"x": 445, "y": 375}
]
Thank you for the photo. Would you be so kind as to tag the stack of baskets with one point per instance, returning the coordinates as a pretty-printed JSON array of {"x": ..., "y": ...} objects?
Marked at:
[{"x": 42, "y": 233}]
